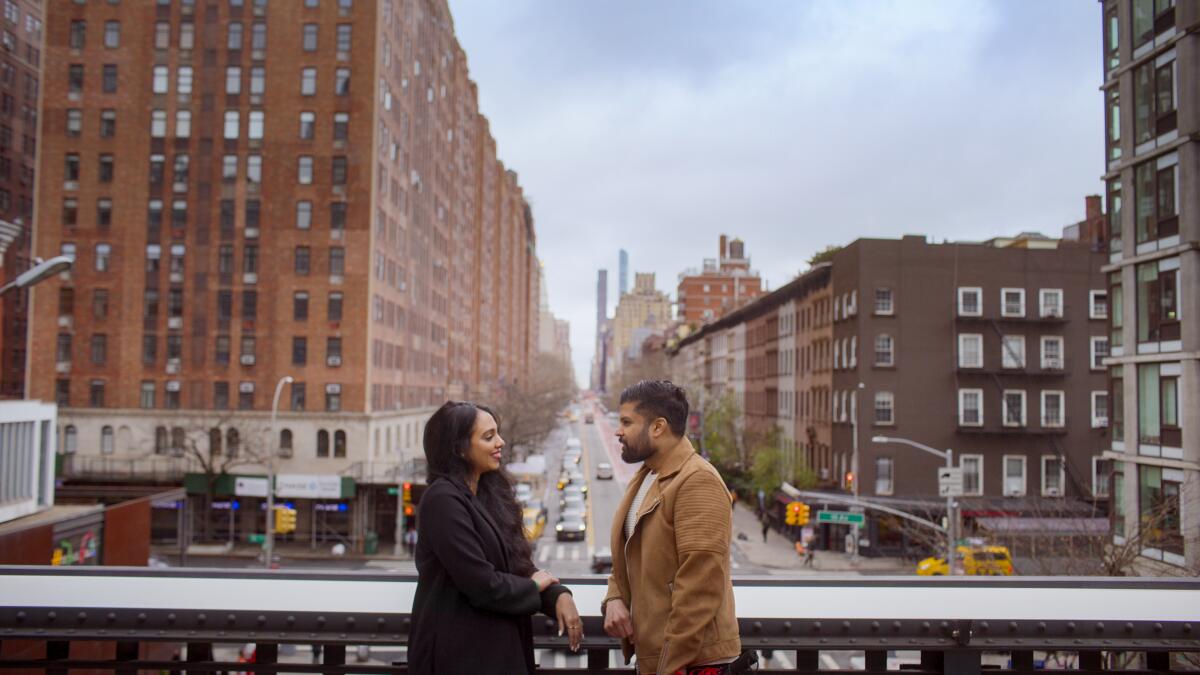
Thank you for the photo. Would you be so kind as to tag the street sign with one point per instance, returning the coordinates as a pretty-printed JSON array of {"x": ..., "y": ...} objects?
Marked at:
[
  {"x": 840, "y": 517},
  {"x": 950, "y": 481}
]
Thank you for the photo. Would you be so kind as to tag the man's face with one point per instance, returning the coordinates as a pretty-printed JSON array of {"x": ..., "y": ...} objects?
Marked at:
[{"x": 633, "y": 432}]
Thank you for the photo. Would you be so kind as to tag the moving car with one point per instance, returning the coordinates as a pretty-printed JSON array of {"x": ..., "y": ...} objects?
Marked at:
[
  {"x": 974, "y": 561},
  {"x": 524, "y": 492},
  {"x": 602, "y": 560},
  {"x": 604, "y": 471},
  {"x": 534, "y": 521},
  {"x": 573, "y": 489},
  {"x": 589, "y": 419},
  {"x": 571, "y": 528},
  {"x": 571, "y": 502}
]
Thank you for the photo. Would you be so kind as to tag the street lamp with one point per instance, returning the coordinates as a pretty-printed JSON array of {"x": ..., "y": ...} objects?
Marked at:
[
  {"x": 854, "y": 458},
  {"x": 269, "y": 541},
  {"x": 42, "y": 270},
  {"x": 952, "y": 526}
]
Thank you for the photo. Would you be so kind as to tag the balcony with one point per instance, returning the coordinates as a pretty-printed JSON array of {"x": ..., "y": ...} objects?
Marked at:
[
  {"x": 948, "y": 625},
  {"x": 997, "y": 427},
  {"x": 1049, "y": 369}
]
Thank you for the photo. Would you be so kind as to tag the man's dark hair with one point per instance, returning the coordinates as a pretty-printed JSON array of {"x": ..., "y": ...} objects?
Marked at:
[{"x": 659, "y": 398}]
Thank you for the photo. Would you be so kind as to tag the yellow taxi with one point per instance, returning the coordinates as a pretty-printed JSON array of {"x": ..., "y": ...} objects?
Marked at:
[
  {"x": 974, "y": 561},
  {"x": 535, "y": 523}
]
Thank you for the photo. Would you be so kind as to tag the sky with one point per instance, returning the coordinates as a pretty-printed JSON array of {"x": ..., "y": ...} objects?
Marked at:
[{"x": 658, "y": 126}]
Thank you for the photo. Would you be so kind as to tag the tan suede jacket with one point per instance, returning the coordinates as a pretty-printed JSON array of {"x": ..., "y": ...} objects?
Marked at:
[{"x": 673, "y": 573}]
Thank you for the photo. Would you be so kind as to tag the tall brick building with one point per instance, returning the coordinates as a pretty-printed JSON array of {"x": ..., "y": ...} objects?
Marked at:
[
  {"x": 723, "y": 285},
  {"x": 255, "y": 190},
  {"x": 20, "y": 63}
]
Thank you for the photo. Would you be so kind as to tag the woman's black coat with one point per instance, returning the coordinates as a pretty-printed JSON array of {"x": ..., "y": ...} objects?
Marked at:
[{"x": 470, "y": 614}]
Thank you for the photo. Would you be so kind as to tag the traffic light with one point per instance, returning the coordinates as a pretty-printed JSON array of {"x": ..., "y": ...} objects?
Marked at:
[
  {"x": 850, "y": 480},
  {"x": 407, "y": 493},
  {"x": 803, "y": 515},
  {"x": 285, "y": 520},
  {"x": 797, "y": 513}
]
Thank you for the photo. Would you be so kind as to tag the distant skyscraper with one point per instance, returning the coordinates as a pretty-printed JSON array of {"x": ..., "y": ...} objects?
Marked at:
[
  {"x": 623, "y": 272},
  {"x": 601, "y": 301}
]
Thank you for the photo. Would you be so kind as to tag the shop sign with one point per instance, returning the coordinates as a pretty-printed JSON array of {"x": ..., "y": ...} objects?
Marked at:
[
  {"x": 245, "y": 486},
  {"x": 312, "y": 486},
  {"x": 81, "y": 547}
]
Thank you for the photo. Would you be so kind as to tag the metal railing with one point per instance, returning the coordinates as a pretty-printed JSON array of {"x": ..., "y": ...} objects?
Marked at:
[{"x": 955, "y": 624}]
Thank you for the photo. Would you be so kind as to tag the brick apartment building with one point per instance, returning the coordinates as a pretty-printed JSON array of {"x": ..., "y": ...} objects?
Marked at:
[
  {"x": 257, "y": 190},
  {"x": 773, "y": 357},
  {"x": 20, "y": 75},
  {"x": 1151, "y": 84},
  {"x": 723, "y": 285}
]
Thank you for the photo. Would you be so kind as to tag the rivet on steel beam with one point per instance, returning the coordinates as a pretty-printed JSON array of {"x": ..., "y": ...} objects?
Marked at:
[
  {"x": 1100, "y": 626},
  {"x": 549, "y": 625},
  {"x": 112, "y": 616},
  {"x": 291, "y": 621},
  {"x": 925, "y": 626},
  {"x": 231, "y": 618},
  {"x": 757, "y": 626},
  {"x": 1041, "y": 626},
  {"x": 20, "y": 616},
  {"x": 1128, "y": 627},
  {"x": 1012, "y": 626},
  {"x": 221, "y": 633},
  {"x": 845, "y": 625},
  {"x": 381, "y": 622},
  {"x": 406, "y": 625},
  {"x": 945, "y": 625},
  {"x": 816, "y": 625},
  {"x": 170, "y": 617},
  {"x": 82, "y": 616},
  {"x": 1158, "y": 628},
  {"x": 342, "y": 635},
  {"x": 201, "y": 618},
  {"x": 261, "y": 619},
  {"x": 983, "y": 626},
  {"x": 350, "y": 621},
  {"x": 51, "y": 616},
  {"x": 787, "y": 626},
  {"x": 1187, "y": 627},
  {"x": 141, "y": 617},
  {"x": 896, "y": 625},
  {"x": 321, "y": 621},
  {"x": 875, "y": 625}
]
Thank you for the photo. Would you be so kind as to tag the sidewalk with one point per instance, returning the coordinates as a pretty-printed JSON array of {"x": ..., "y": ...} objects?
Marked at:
[
  {"x": 779, "y": 553},
  {"x": 286, "y": 550}
]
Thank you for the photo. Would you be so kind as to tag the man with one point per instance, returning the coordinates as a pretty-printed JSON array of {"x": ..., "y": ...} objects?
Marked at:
[{"x": 670, "y": 598}]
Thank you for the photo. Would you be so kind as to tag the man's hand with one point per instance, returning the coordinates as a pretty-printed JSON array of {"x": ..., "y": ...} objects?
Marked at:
[
  {"x": 617, "y": 622},
  {"x": 568, "y": 618}
]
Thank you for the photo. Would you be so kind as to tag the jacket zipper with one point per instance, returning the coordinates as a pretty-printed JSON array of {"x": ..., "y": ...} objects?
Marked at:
[{"x": 625, "y": 548}]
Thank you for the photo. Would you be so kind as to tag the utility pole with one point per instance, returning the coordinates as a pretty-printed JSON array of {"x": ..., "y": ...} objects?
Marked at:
[
  {"x": 953, "y": 526},
  {"x": 269, "y": 541},
  {"x": 854, "y": 459}
]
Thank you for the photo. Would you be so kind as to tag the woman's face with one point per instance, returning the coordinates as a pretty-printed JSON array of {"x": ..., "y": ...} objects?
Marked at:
[{"x": 484, "y": 453}]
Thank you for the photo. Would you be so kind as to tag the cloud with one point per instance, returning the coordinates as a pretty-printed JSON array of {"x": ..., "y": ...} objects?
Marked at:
[{"x": 658, "y": 126}]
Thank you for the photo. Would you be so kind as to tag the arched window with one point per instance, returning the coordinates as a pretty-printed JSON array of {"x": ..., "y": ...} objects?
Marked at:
[
  {"x": 322, "y": 443},
  {"x": 161, "y": 438},
  {"x": 106, "y": 440},
  {"x": 233, "y": 442},
  {"x": 214, "y": 441},
  {"x": 285, "y": 443},
  {"x": 178, "y": 440},
  {"x": 70, "y": 439},
  {"x": 339, "y": 443}
]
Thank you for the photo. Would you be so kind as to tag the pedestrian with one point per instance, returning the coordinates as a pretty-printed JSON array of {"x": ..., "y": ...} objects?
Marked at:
[
  {"x": 410, "y": 540},
  {"x": 766, "y": 527},
  {"x": 670, "y": 598},
  {"x": 477, "y": 587},
  {"x": 316, "y": 652}
]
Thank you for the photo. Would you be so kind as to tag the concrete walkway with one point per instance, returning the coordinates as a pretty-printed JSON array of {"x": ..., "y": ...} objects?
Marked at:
[{"x": 779, "y": 553}]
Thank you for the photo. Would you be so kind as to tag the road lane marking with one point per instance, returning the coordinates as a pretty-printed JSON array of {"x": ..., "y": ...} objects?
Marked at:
[
  {"x": 574, "y": 554},
  {"x": 544, "y": 554}
]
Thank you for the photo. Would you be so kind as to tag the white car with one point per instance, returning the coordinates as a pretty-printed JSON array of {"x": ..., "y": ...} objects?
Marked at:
[
  {"x": 604, "y": 471},
  {"x": 524, "y": 492}
]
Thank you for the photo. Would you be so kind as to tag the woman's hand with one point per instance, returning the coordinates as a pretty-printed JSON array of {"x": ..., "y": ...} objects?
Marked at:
[
  {"x": 543, "y": 579},
  {"x": 568, "y": 617}
]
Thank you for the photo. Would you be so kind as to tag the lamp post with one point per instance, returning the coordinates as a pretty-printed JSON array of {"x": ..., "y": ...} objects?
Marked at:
[
  {"x": 269, "y": 541},
  {"x": 854, "y": 458},
  {"x": 952, "y": 525},
  {"x": 42, "y": 270}
]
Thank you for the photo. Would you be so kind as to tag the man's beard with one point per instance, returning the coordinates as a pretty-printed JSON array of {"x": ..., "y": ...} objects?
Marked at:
[{"x": 634, "y": 451}]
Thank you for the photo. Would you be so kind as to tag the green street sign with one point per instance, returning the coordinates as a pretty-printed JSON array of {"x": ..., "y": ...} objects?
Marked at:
[
  {"x": 256, "y": 538},
  {"x": 841, "y": 517},
  {"x": 393, "y": 491}
]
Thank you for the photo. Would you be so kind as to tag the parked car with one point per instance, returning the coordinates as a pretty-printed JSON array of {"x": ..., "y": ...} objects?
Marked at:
[
  {"x": 604, "y": 471},
  {"x": 524, "y": 492},
  {"x": 973, "y": 560},
  {"x": 589, "y": 419},
  {"x": 602, "y": 560},
  {"x": 573, "y": 489},
  {"x": 535, "y": 523},
  {"x": 571, "y": 528},
  {"x": 571, "y": 502}
]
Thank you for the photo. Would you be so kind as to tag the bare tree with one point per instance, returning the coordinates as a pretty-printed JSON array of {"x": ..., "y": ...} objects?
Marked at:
[{"x": 528, "y": 410}]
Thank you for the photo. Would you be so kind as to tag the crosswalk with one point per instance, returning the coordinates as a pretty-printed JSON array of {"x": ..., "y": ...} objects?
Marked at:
[{"x": 574, "y": 552}]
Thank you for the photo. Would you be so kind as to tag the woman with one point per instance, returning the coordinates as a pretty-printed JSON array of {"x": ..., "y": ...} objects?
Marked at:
[{"x": 477, "y": 586}]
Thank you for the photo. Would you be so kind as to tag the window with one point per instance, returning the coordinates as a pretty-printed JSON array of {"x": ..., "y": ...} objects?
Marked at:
[
  {"x": 1050, "y": 302},
  {"x": 1158, "y": 292},
  {"x": 258, "y": 36},
  {"x": 1099, "y": 409},
  {"x": 1014, "y": 408},
  {"x": 158, "y": 124},
  {"x": 1114, "y": 123},
  {"x": 308, "y": 81},
  {"x": 223, "y": 349},
  {"x": 308, "y": 38},
  {"x": 337, "y": 261},
  {"x": 254, "y": 169},
  {"x": 74, "y": 122},
  {"x": 308, "y": 124},
  {"x": 1099, "y": 351},
  {"x": 337, "y": 216},
  {"x": 341, "y": 126},
  {"x": 1012, "y": 302},
  {"x": 1052, "y": 352},
  {"x": 75, "y": 78},
  {"x": 1053, "y": 476},
  {"x": 187, "y": 35},
  {"x": 109, "y": 78},
  {"x": 233, "y": 80},
  {"x": 100, "y": 303},
  {"x": 333, "y": 351},
  {"x": 258, "y": 81},
  {"x": 108, "y": 123},
  {"x": 162, "y": 35},
  {"x": 103, "y": 257},
  {"x": 304, "y": 170},
  {"x": 1158, "y": 404},
  {"x": 229, "y": 168},
  {"x": 883, "y": 301},
  {"x": 884, "y": 351},
  {"x": 341, "y": 81},
  {"x": 96, "y": 393},
  {"x": 883, "y": 476},
  {"x": 303, "y": 261},
  {"x": 70, "y": 211},
  {"x": 1012, "y": 351},
  {"x": 1156, "y": 199},
  {"x": 333, "y": 403},
  {"x": 250, "y": 259},
  {"x": 161, "y": 82},
  {"x": 1159, "y": 493},
  {"x": 1116, "y": 403},
  {"x": 245, "y": 398},
  {"x": 183, "y": 123},
  {"x": 234, "y": 36},
  {"x": 333, "y": 308},
  {"x": 71, "y": 167},
  {"x": 1154, "y": 98},
  {"x": 105, "y": 172},
  {"x": 322, "y": 443},
  {"x": 298, "y": 396},
  {"x": 77, "y": 38},
  {"x": 232, "y": 124},
  {"x": 339, "y": 170},
  {"x": 885, "y": 403},
  {"x": 99, "y": 349},
  {"x": 1014, "y": 476},
  {"x": 254, "y": 129},
  {"x": 285, "y": 443},
  {"x": 249, "y": 305},
  {"x": 146, "y": 400},
  {"x": 1102, "y": 473},
  {"x": 112, "y": 34},
  {"x": 343, "y": 37},
  {"x": 972, "y": 474},
  {"x": 1052, "y": 409},
  {"x": 62, "y": 396},
  {"x": 300, "y": 306},
  {"x": 183, "y": 81},
  {"x": 299, "y": 351},
  {"x": 970, "y": 407},
  {"x": 970, "y": 301},
  {"x": 1097, "y": 304},
  {"x": 1115, "y": 245}
]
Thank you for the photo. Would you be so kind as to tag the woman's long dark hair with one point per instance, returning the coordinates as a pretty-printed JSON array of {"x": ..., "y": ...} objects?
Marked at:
[{"x": 447, "y": 438}]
